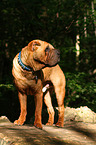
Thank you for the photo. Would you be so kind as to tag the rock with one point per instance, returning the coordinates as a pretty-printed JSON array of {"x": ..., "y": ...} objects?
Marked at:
[
  {"x": 69, "y": 114},
  {"x": 4, "y": 119},
  {"x": 83, "y": 114}
]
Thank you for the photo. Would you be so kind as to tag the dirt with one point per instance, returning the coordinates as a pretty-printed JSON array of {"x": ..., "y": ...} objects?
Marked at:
[{"x": 73, "y": 133}]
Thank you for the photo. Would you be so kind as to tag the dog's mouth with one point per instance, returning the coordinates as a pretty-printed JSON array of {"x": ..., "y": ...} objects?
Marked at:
[{"x": 52, "y": 58}]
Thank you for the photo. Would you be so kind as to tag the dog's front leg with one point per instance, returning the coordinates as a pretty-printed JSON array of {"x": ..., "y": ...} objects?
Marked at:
[
  {"x": 38, "y": 110},
  {"x": 23, "y": 107}
]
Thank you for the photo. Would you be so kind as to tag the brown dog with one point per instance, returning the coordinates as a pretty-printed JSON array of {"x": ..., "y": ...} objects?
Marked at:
[{"x": 34, "y": 67}]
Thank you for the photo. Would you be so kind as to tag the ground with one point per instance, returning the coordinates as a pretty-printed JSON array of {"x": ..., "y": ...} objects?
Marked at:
[{"x": 73, "y": 133}]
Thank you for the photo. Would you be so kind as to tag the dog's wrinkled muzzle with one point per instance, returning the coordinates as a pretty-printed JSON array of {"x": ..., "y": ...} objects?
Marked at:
[{"x": 53, "y": 57}]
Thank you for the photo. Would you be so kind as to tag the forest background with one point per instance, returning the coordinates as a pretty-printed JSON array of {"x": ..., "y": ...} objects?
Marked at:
[{"x": 69, "y": 25}]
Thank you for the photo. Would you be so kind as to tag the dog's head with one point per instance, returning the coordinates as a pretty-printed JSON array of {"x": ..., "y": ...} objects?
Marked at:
[{"x": 44, "y": 52}]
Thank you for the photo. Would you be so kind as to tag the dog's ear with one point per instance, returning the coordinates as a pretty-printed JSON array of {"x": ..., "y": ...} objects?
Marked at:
[{"x": 33, "y": 45}]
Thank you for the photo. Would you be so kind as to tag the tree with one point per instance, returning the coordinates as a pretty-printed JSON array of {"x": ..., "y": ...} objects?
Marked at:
[{"x": 54, "y": 21}]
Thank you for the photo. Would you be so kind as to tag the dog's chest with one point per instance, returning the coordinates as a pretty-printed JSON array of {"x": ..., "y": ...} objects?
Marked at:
[
  {"x": 33, "y": 87},
  {"x": 33, "y": 83}
]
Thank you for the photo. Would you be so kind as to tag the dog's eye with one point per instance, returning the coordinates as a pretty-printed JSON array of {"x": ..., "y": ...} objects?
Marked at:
[
  {"x": 47, "y": 49},
  {"x": 36, "y": 44}
]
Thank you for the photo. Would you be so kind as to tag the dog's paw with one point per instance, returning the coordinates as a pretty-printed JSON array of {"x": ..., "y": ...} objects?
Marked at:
[
  {"x": 49, "y": 124},
  {"x": 38, "y": 125},
  {"x": 59, "y": 124},
  {"x": 18, "y": 122}
]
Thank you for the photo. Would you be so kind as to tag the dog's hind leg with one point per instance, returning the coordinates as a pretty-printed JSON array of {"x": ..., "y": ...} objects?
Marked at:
[
  {"x": 47, "y": 100},
  {"x": 23, "y": 107},
  {"x": 60, "y": 94}
]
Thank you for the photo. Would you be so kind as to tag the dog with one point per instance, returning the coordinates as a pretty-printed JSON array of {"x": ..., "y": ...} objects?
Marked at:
[{"x": 34, "y": 67}]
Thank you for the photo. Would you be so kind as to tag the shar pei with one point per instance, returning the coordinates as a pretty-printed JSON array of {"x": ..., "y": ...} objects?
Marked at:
[{"x": 35, "y": 70}]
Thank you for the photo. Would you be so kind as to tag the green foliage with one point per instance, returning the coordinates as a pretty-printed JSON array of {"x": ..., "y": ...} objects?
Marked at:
[
  {"x": 56, "y": 22},
  {"x": 80, "y": 90},
  {"x": 5, "y": 91},
  {"x": 9, "y": 104},
  {"x": 9, "y": 86},
  {"x": 52, "y": 21}
]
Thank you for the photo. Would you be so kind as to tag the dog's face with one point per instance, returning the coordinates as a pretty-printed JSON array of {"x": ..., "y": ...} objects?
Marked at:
[{"x": 44, "y": 52}]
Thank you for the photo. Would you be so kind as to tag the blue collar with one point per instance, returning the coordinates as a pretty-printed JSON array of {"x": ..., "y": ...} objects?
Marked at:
[{"x": 22, "y": 64}]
